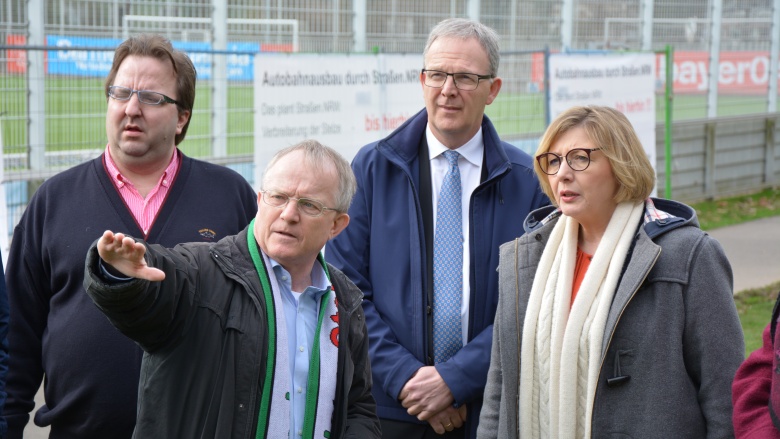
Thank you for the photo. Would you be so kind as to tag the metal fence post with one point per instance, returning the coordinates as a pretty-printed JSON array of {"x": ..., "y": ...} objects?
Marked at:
[
  {"x": 36, "y": 89},
  {"x": 773, "y": 58},
  {"x": 567, "y": 23},
  {"x": 712, "y": 84},
  {"x": 219, "y": 81},
  {"x": 668, "y": 126},
  {"x": 647, "y": 25},
  {"x": 709, "y": 159},
  {"x": 769, "y": 151},
  {"x": 359, "y": 26},
  {"x": 473, "y": 9}
]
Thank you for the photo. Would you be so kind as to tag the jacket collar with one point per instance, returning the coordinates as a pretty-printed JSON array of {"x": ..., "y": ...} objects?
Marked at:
[
  {"x": 402, "y": 145},
  {"x": 234, "y": 253},
  {"x": 676, "y": 215},
  {"x": 660, "y": 217}
]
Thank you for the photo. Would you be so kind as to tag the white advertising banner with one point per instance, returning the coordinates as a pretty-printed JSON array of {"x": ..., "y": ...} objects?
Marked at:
[
  {"x": 342, "y": 101},
  {"x": 625, "y": 82}
]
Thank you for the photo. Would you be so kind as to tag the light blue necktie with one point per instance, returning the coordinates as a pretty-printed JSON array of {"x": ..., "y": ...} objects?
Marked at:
[{"x": 448, "y": 265}]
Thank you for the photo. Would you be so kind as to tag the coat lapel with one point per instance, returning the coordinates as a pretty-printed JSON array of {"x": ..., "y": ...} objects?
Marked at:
[{"x": 641, "y": 260}]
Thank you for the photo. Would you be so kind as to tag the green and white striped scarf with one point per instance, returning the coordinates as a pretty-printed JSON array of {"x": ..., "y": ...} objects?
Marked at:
[{"x": 275, "y": 405}]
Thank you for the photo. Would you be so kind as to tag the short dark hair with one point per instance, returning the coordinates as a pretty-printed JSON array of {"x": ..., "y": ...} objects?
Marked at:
[{"x": 160, "y": 48}]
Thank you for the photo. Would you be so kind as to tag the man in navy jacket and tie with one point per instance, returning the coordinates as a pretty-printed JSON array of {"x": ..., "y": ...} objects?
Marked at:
[{"x": 427, "y": 382}]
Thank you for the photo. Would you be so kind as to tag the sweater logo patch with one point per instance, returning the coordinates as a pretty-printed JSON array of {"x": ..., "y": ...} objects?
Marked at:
[{"x": 207, "y": 234}]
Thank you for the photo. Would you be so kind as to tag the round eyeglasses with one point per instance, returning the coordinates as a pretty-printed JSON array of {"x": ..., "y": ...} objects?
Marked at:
[
  {"x": 307, "y": 206},
  {"x": 578, "y": 159},
  {"x": 144, "y": 96},
  {"x": 463, "y": 81}
]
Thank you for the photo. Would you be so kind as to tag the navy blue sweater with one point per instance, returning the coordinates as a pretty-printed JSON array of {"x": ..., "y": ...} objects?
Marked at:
[{"x": 92, "y": 371}]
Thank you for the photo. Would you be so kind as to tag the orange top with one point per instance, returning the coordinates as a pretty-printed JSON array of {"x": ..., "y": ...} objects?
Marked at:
[{"x": 580, "y": 268}]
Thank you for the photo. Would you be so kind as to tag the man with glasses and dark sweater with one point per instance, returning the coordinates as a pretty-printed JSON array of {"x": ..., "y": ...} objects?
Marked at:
[{"x": 142, "y": 184}]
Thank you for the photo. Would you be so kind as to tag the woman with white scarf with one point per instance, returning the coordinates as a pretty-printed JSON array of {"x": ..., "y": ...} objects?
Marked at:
[{"x": 616, "y": 315}]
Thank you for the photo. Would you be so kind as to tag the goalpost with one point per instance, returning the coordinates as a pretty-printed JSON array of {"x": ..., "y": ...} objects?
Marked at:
[
  {"x": 219, "y": 82},
  {"x": 281, "y": 22}
]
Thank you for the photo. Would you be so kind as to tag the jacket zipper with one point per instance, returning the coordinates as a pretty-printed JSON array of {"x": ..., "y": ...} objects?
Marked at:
[
  {"x": 341, "y": 377},
  {"x": 251, "y": 425},
  {"x": 427, "y": 323}
]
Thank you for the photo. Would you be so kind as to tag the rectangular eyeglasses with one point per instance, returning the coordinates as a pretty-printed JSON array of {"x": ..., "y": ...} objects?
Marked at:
[
  {"x": 144, "y": 96},
  {"x": 463, "y": 81}
]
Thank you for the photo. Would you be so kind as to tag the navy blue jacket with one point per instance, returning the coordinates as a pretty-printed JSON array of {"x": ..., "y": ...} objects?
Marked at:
[
  {"x": 384, "y": 252},
  {"x": 91, "y": 369},
  {"x": 3, "y": 346}
]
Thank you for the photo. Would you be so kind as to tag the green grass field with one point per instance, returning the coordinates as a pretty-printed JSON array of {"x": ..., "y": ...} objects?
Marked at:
[
  {"x": 755, "y": 310},
  {"x": 76, "y": 120},
  {"x": 754, "y": 306},
  {"x": 76, "y": 108}
]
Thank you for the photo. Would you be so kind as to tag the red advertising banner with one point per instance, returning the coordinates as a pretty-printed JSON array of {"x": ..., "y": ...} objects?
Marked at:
[
  {"x": 744, "y": 73},
  {"x": 17, "y": 59},
  {"x": 537, "y": 70},
  {"x": 739, "y": 72},
  {"x": 276, "y": 47}
]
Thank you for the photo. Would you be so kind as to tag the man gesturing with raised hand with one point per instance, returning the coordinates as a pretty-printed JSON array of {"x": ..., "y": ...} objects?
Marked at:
[{"x": 264, "y": 337}]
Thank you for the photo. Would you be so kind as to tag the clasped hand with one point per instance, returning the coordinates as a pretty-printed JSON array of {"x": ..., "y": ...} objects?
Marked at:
[{"x": 428, "y": 397}]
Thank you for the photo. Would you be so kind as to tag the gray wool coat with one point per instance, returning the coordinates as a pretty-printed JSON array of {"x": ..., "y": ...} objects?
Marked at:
[{"x": 672, "y": 342}]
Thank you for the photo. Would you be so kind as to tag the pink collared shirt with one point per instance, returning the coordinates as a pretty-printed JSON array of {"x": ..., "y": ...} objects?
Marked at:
[{"x": 144, "y": 210}]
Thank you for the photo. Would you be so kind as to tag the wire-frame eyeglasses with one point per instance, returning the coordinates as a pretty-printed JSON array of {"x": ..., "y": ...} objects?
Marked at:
[
  {"x": 307, "y": 206},
  {"x": 578, "y": 159}
]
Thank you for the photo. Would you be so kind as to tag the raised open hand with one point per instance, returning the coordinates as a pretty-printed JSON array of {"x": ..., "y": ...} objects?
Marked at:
[{"x": 126, "y": 256}]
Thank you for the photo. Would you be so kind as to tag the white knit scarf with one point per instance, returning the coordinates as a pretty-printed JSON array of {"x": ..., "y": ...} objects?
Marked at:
[{"x": 562, "y": 342}]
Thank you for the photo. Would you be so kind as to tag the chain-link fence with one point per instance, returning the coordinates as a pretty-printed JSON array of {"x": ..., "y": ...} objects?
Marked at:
[
  {"x": 402, "y": 25},
  {"x": 51, "y": 117},
  {"x": 742, "y": 29}
]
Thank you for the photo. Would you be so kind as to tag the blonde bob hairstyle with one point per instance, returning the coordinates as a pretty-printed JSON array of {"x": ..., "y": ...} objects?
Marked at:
[{"x": 611, "y": 131}]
